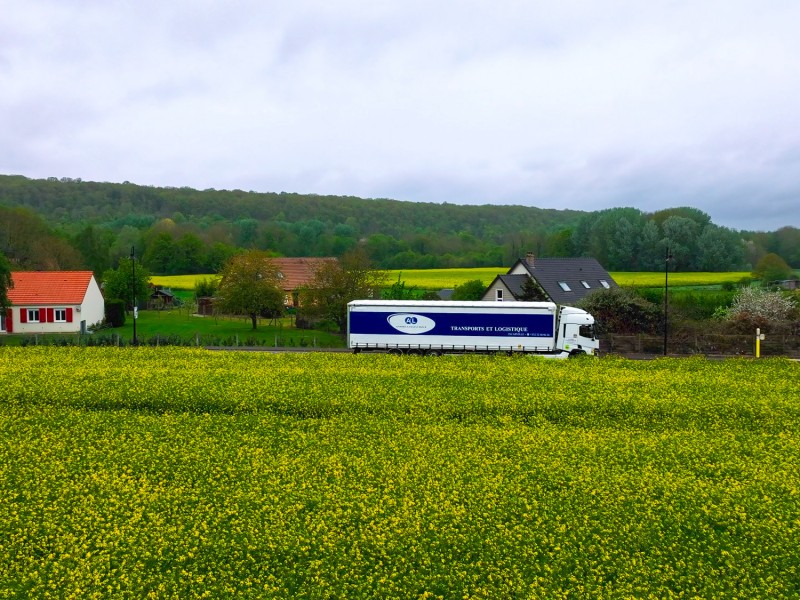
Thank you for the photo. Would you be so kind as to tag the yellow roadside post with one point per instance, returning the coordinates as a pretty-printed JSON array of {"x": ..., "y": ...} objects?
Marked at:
[{"x": 759, "y": 336}]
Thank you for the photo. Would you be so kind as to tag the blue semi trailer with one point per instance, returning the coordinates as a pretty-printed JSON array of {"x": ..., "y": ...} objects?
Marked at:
[{"x": 434, "y": 327}]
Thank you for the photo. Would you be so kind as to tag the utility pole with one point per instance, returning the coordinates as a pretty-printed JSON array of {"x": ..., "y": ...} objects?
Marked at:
[
  {"x": 667, "y": 259},
  {"x": 133, "y": 292}
]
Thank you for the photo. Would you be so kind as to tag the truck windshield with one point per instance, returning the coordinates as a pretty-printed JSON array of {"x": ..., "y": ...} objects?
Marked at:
[{"x": 586, "y": 331}]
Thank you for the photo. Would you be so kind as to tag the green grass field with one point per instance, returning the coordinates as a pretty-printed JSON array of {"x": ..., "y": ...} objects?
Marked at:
[
  {"x": 185, "y": 325},
  {"x": 183, "y": 473},
  {"x": 436, "y": 279}
]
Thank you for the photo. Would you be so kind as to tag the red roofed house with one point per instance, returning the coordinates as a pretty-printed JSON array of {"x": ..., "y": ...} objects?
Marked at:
[
  {"x": 295, "y": 273},
  {"x": 53, "y": 302}
]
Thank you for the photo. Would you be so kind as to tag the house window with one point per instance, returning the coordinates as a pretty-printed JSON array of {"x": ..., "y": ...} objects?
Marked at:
[
  {"x": 60, "y": 315},
  {"x": 33, "y": 315},
  {"x": 2, "y": 322},
  {"x": 604, "y": 283},
  {"x": 499, "y": 295},
  {"x": 585, "y": 284},
  {"x": 563, "y": 285}
]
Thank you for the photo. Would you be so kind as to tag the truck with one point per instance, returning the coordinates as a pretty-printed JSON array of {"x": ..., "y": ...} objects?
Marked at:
[{"x": 432, "y": 327}]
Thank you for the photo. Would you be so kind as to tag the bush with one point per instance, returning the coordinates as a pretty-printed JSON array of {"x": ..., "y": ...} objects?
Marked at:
[
  {"x": 618, "y": 310},
  {"x": 691, "y": 304},
  {"x": 115, "y": 312},
  {"x": 469, "y": 290},
  {"x": 757, "y": 307}
]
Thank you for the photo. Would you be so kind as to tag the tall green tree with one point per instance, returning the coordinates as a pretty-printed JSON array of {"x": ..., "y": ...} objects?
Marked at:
[
  {"x": 6, "y": 283},
  {"x": 161, "y": 253},
  {"x": 129, "y": 280},
  {"x": 772, "y": 268},
  {"x": 651, "y": 249},
  {"x": 94, "y": 243},
  {"x": 680, "y": 236},
  {"x": 250, "y": 285},
  {"x": 337, "y": 283},
  {"x": 719, "y": 249}
]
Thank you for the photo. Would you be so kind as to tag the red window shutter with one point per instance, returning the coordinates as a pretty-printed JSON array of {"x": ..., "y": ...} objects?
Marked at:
[
  {"x": 10, "y": 321},
  {"x": 50, "y": 316},
  {"x": 23, "y": 315},
  {"x": 69, "y": 314}
]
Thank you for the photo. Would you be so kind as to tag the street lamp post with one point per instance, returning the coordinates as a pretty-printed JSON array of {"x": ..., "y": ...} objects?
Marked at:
[
  {"x": 667, "y": 259},
  {"x": 133, "y": 292}
]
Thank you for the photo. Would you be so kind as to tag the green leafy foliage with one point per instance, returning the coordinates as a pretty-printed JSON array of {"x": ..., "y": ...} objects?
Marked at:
[
  {"x": 31, "y": 244},
  {"x": 772, "y": 268},
  {"x": 399, "y": 291},
  {"x": 249, "y": 285},
  {"x": 182, "y": 230},
  {"x": 618, "y": 310},
  {"x": 337, "y": 283},
  {"x": 6, "y": 282},
  {"x": 115, "y": 312},
  {"x": 469, "y": 290},
  {"x": 128, "y": 281},
  {"x": 205, "y": 287}
]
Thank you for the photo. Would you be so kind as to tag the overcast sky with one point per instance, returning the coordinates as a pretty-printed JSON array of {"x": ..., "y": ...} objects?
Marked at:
[{"x": 551, "y": 103}]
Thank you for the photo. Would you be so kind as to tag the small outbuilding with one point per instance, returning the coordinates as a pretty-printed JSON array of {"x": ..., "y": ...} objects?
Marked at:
[{"x": 160, "y": 298}]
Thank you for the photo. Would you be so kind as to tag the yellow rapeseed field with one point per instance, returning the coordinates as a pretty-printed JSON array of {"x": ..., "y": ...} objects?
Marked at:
[
  {"x": 183, "y": 473},
  {"x": 436, "y": 279}
]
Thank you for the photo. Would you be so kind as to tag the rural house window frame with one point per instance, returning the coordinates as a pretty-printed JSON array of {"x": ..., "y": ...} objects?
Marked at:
[
  {"x": 585, "y": 284},
  {"x": 604, "y": 283},
  {"x": 498, "y": 294},
  {"x": 34, "y": 315},
  {"x": 564, "y": 286},
  {"x": 60, "y": 315}
]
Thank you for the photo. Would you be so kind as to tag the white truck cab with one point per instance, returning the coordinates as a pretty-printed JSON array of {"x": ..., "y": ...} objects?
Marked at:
[{"x": 576, "y": 332}]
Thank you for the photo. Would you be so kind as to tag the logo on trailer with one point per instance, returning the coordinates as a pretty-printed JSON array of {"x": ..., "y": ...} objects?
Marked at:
[{"x": 408, "y": 323}]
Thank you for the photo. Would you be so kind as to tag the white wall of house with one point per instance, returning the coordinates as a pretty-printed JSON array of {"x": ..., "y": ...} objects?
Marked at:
[
  {"x": 93, "y": 308},
  {"x": 518, "y": 269},
  {"x": 498, "y": 292},
  {"x": 36, "y": 318}
]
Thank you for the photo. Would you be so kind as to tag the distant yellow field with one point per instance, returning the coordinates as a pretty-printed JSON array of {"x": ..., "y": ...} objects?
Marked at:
[
  {"x": 657, "y": 279},
  {"x": 436, "y": 279},
  {"x": 179, "y": 282},
  {"x": 448, "y": 278}
]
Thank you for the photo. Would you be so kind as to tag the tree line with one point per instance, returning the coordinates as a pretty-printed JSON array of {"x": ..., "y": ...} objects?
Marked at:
[{"x": 69, "y": 223}]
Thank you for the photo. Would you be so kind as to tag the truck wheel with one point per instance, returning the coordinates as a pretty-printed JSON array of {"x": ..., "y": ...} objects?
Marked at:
[
  {"x": 395, "y": 351},
  {"x": 433, "y": 353}
]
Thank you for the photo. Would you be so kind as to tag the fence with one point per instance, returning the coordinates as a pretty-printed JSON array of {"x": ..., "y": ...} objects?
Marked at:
[
  {"x": 711, "y": 344},
  {"x": 156, "y": 340}
]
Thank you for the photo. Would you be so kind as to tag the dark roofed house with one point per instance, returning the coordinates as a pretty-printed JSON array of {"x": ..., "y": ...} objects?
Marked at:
[{"x": 559, "y": 280}]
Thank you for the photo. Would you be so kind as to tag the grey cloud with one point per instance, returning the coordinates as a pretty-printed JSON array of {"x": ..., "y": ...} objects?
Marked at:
[{"x": 567, "y": 105}]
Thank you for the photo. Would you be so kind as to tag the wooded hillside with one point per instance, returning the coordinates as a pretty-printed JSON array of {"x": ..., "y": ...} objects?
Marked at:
[{"x": 182, "y": 230}]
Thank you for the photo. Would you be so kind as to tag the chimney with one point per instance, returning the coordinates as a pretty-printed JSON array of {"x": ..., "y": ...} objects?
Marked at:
[{"x": 530, "y": 259}]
